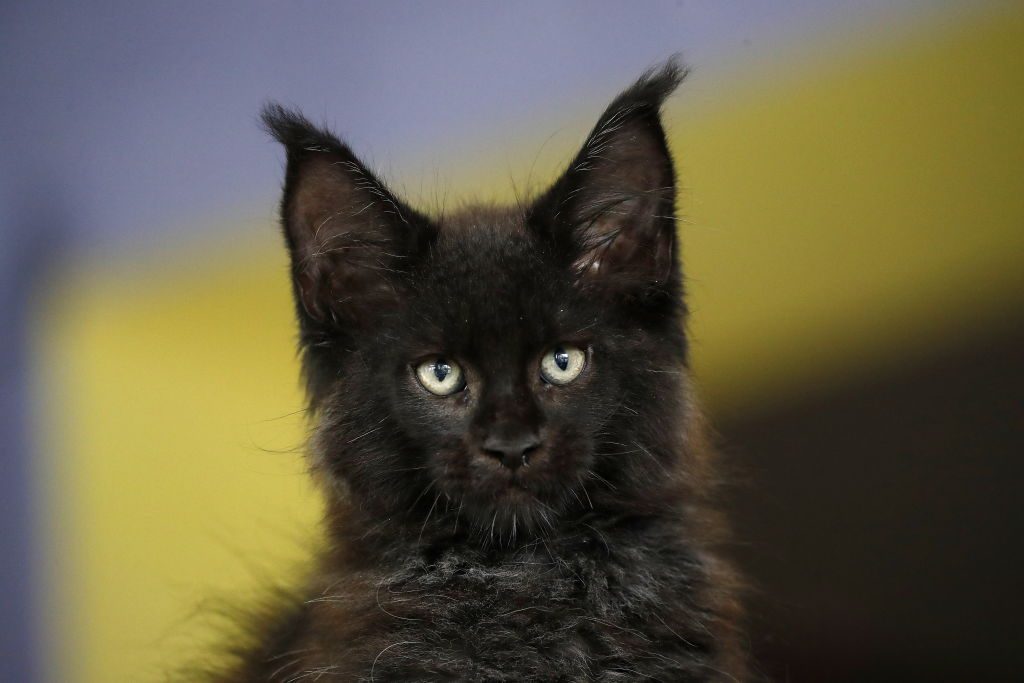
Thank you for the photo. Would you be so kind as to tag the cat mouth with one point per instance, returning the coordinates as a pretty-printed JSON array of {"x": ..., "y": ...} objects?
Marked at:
[
  {"x": 510, "y": 490},
  {"x": 517, "y": 489}
]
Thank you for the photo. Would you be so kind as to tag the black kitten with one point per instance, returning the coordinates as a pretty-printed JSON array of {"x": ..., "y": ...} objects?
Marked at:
[{"x": 516, "y": 474}]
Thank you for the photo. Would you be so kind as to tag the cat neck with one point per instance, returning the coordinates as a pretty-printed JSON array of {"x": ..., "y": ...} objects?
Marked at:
[{"x": 358, "y": 538}]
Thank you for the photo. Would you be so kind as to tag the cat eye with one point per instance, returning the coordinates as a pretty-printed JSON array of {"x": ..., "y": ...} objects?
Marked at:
[
  {"x": 440, "y": 376},
  {"x": 562, "y": 364}
]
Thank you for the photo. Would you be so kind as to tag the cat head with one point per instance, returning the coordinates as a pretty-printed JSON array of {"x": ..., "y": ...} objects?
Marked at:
[{"x": 504, "y": 366}]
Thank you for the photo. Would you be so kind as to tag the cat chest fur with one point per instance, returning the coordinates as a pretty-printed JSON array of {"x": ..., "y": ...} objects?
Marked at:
[{"x": 572, "y": 610}]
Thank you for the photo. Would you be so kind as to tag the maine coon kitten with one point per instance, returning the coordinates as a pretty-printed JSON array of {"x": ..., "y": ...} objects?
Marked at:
[{"x": 518, "y": 485}]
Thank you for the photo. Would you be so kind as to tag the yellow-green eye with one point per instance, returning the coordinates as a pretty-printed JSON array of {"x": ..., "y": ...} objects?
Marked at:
[
  {"x": 562, "y": 364},
  {"x": 440, "y": 376}
]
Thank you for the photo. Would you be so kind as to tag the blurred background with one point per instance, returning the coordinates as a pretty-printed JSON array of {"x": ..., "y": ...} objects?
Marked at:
[{"x": 853, "y": 203}]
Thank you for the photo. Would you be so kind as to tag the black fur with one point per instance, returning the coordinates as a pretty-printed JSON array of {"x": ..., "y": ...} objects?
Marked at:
[{"x": 595, "y": 560}]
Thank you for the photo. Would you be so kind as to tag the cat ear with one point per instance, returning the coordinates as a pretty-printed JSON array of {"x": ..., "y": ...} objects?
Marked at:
[
  {"x": 614, "y": 208},
  {"x": 350, "y": 239}
]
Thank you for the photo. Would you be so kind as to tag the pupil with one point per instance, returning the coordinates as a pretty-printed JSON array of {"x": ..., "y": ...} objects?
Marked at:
[
  {"x": 561, "y": 358},
  {"x": 441, "y": 370}
]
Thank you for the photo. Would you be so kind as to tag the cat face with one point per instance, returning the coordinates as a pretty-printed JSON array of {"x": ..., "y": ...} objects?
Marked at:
[{"x": 500, "y": 366}]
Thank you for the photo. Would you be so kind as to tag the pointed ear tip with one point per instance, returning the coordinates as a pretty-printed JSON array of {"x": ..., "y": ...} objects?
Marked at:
[
  {"x": 280, "y": 122},
  {"x": 293, "y": 130},
  {"x": 659, "y": 82}
]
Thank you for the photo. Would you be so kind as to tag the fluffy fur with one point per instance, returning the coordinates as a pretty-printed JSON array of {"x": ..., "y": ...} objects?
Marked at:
[{"x": 595, "y": 560}]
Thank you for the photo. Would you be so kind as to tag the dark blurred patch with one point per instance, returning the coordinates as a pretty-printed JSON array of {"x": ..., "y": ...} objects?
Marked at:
[{"x": 883, "y": 523}]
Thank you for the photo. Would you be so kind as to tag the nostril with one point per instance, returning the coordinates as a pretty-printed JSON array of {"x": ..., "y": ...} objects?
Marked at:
[{"x": 511, "y": 453}]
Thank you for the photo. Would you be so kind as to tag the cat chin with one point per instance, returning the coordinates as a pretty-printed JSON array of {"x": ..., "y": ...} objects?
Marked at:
[
  {"x": 510, "y": 511},
  {"x": 507, "y": 523}
]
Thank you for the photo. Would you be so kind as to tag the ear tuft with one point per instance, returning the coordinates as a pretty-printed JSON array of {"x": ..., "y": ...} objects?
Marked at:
[
  {"x": 642, "y": 100},
  {"x": 296, "y": 132},
  {"x": 656, "y": 84}
]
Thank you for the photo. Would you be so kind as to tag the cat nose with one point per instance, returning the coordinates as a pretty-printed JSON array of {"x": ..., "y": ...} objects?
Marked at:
[{"x": 513, "y": 451}]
